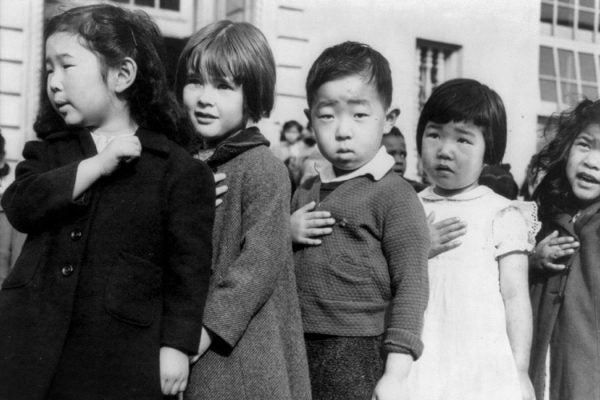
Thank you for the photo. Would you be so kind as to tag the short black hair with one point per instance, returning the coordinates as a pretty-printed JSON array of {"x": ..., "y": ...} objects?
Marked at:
[
  {"x": 500, "y": 180},
  {"x": 395, "y": 131},
  {"x": 289, "y": 125},
  {"x": 468, "y": 100},
  {"x": 236, "y": 50},
  {"x": 350, "y": 58}
]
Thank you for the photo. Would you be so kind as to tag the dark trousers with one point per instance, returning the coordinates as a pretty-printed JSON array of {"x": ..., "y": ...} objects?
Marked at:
[{"x": 344, "y": 367}]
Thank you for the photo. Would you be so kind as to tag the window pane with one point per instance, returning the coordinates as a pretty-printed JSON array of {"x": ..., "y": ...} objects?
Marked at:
[
  {"x": 590, "y": 91},
  {"x": 546, "y": 13},
  {"x": 587, "y": 3},
  {"x": 569, "y": 93},
  {"x": 587, "y": 67},
  {"x": 121, "y": 1},
  {"x": 586, "y": 20},
  {"x": 147, "y": 3},
  {"x": 546, "y": 61},
  {"x": 565, "y": 16},
  {"x": 169, "y": 5},
  {"x": 566, "y": 62},
  {"x": 548, "y": 90},
  {"x": 566, "y": 1}
]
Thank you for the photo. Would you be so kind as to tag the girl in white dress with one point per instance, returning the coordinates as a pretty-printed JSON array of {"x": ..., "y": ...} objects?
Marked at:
[{"x": 477, "y": 327}]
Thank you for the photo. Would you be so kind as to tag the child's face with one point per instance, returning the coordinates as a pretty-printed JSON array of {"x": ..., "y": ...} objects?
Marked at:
[
  {"x": 292, "y": 135},
  {"x": 349, "y": 119},
  {"x": 396, "y": 147},
  {"x": 583, "y": 165},
  {"x": 216, "y": 107},
  {"x": 452, "y": 155},
  {"x": 74, "y": 83}
]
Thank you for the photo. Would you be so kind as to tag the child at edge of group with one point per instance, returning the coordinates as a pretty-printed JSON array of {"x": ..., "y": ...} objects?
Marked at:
[
  {"x": 565, "y": 273},
  {"x": 360, "y": 234},
  {"x": 477, "y": 329},
  {"x": 105, "y": 299},
  {"x": 252, "y": 345}
]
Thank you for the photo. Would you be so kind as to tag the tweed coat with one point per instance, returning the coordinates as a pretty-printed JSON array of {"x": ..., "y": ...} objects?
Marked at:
[
  {"x": 252, "y": 309},
  {"x": 566, "y": 311},
  {"x": 103, "y": 281}
]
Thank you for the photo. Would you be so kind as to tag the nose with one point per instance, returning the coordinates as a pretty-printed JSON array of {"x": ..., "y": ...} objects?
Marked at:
[
  {"x": 592, "y": 160},
  {"x": 445, "y": 150},
  {"x": 205, "y": 95},
  {"x": 344, "y": 129},
  {"x": 53, "y": 82}
]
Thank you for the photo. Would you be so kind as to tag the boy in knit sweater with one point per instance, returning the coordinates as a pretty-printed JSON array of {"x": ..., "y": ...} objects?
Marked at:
[{"x": 360, "y": 235}]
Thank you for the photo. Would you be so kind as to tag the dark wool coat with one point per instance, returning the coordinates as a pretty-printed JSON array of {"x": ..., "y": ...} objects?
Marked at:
[
  {"x": 104, "y": 280},
  {"x": 252, "y": 309},
  {"x": 566, "y": 310}
]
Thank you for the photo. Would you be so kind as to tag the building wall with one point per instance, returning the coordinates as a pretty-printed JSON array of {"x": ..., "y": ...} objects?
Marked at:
[{"x": 20, "y": 57}]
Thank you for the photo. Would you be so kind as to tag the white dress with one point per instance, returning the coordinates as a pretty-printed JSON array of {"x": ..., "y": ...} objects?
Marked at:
[{"x": 467, "y": 353}]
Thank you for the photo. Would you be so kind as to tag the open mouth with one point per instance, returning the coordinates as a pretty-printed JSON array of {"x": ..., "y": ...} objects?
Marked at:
[
  {"x": 205, "y": 116},
  {"x": 585, "y": 177}
]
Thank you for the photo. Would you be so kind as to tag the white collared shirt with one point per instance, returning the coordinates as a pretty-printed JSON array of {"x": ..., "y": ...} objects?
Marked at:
[
  {"x": 101, "y": 141},
  {"x": 377, "y": 167}
]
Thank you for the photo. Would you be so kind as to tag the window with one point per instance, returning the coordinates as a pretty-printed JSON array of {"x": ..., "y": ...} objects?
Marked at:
[
  {"x": 570, "y": 19},
  {"x": 437, "y": 62},
  {"x": 575, "y": 77},
  {"x": 169, "y": 5}
]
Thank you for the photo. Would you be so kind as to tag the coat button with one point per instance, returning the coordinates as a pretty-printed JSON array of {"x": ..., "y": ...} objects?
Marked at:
[
  {"x": 76, "y": 235},
  {"x": 67, "y": 270}
]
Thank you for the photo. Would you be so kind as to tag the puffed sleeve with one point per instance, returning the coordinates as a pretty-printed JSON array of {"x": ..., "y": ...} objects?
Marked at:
[{"x": 515, "y": 227}]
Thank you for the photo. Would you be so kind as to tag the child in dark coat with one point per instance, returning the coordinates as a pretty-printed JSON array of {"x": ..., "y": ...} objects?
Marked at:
[{"x": 106, "y": 299}]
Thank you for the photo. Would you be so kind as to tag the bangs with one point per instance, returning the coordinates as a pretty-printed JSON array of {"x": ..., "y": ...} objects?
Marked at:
[
  {"x": 467, "y": 107},
  {"x": 217, "y": 60}
]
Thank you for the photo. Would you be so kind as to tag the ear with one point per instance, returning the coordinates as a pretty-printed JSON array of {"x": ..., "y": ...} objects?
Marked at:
[
  {"x": 125, "y": 75},
  {"x": 390, "y": 119}
]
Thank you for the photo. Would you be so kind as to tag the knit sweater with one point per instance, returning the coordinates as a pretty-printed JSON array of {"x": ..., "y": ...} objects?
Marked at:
[{"x": 369, "y": 276}]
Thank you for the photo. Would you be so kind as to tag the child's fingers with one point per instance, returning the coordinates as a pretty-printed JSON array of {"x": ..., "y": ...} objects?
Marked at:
[
  {"x": 450, "y": 236},
  {"x": 218, "y": 202},
  {"x": 309, "y": 241},
  {"x": 319, "y": 222},
  {"x": 549, "y": 238},
  {"x": 555, "y": 267},
  {"x": 448, "y": 223},
  {"x": 166, "y": 386},
  {"x": 318, "y": 215},
  {"x": 315, "y": 232},
  {"x": 571, "y": 245},
  {"x": 221, "y": 189},
  {"x": 307, "y": 207},
  {"x": 219, "y": 176},
  {"x": 450, "y": 245}
]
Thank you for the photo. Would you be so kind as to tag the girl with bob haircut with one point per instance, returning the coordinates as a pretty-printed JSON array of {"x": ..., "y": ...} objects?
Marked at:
[
  {"x": 565, "y": 363},
  {"x": 105, "y": 299},
  {"x": 252, "y": 345},
  {"x": 477, "y": 325}
]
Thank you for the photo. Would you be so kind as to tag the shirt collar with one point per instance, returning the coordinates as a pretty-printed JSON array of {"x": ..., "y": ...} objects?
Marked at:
[{"x": 377, "y": 167}]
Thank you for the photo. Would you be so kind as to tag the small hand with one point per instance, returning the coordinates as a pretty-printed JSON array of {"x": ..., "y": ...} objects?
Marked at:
[
  {"x": 307, "y": 225},
  {"x": 551, "y": 248},
  {"x": 174, "y": 370},
  {"x": 122, "y": 149},
  {"x": 219, "y": 177},
  {"x": 443, "y": 235},
  {"x": 205, "y": 342},
  {"x": 390, "y": 387}
]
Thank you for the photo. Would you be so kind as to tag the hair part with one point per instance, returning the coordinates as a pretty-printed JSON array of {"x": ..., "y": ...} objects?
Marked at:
[
  {"x": 351, "y": 58},
  {"x": 467, "y": 100},
  {"x": 113, "y": 34},
  {"x": 554, "y": 192},
  {"x": 232, "y": 50}
]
